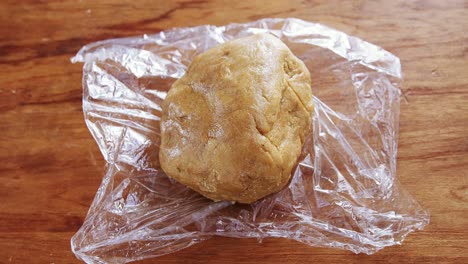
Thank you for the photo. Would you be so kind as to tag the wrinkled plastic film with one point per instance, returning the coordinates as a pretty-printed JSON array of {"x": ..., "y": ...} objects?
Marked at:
[{"x": 343, "y": 194}]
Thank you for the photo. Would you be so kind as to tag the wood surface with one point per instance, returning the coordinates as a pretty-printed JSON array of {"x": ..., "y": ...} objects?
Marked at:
[{"x": 50, "y": 167}]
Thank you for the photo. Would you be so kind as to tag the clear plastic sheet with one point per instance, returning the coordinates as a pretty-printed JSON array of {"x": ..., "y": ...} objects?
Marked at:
[{"x": 343, "y": 194}]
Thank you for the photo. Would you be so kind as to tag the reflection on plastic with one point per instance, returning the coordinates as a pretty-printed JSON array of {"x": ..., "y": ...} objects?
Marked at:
[{"x": 343, "y": 194}]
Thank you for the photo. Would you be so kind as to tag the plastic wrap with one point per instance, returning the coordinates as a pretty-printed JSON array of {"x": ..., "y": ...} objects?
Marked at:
[{"x": 343, "y": 194}]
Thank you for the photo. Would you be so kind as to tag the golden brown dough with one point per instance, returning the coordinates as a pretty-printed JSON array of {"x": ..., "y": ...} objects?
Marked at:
[{"x": 233, "y": 126}]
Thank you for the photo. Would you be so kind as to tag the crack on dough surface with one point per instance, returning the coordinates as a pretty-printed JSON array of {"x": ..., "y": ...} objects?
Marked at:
[{"x": 288, "y": 86}]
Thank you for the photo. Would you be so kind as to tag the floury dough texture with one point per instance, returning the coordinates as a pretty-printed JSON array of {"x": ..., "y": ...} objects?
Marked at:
[{"x": 234, "y": 125}]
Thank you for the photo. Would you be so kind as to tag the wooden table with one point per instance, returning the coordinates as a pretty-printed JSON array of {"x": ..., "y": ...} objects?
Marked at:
[{"x": 50, "y": 167}]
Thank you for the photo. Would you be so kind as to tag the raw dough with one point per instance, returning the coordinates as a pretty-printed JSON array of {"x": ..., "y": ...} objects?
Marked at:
[{"x": 233, "y": 126}]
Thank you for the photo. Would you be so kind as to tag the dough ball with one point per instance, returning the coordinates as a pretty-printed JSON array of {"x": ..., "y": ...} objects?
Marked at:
[{"x": 234, "y": 125}]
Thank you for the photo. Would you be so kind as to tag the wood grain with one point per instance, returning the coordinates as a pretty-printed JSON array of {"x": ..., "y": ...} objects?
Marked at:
[{"x": 50, "y": 167}]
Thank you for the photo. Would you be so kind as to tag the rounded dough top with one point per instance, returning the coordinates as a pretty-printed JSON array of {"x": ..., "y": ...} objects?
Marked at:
[{"x": 234, "y": 125}]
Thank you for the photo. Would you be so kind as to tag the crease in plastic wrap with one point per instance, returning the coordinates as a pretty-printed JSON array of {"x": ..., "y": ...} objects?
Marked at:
[{"x": 343, "y": 194}]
